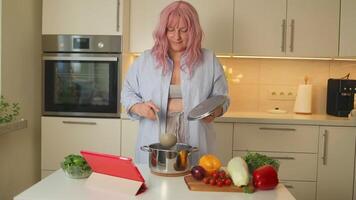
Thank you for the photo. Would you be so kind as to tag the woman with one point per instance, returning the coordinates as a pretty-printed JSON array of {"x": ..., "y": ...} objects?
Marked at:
[{"x": 171, "y": 79}]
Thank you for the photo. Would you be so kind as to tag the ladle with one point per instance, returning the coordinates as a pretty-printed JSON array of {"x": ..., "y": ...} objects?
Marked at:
[{"x": 167, "y": 140}]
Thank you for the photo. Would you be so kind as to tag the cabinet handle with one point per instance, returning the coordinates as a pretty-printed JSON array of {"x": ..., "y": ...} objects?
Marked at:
[
  {"x": 284, "y": 27},
  {"x": 325, "y": 141},
  {"x": 76, "y": 122},
  {"x": 277, "y": 129},
  {"x": 289, "y": 186},
  {"x": 282, "y": 157},
  {"x": 292, "y": 25},
  {"x": 118, "y": 16}
]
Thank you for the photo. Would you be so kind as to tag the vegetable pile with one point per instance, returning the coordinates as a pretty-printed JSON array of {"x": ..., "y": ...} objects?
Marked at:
[
  {"x": 209, "y": 171},
  {"x": 75, "y": 166},
  {"x": 255, "y": 168}
]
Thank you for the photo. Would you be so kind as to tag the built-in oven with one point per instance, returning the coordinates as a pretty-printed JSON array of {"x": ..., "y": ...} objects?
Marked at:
[{"x": 81, "y": 75}]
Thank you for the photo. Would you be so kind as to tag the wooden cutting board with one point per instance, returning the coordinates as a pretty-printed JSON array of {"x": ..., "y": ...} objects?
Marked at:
[{"x": 196, "y": 185}]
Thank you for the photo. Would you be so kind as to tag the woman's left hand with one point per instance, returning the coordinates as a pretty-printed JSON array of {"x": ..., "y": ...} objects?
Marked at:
[{"x": 216, "y": 113}]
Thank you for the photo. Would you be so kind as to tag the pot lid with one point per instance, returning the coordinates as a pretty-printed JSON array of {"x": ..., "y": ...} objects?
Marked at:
[{"x": 206, "y": 107}]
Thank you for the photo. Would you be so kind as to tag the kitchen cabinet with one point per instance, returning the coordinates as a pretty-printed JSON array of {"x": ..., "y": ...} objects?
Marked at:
[
  {"x": 300, "y": 189},
  {"x": 258, "y": 27},
  {"x": 295, "y": 146},
  {"x": 61, "y": 136},
  {"x": 129, "y": 132},
  {"x": 82, "y": 17},
  {"x": 224, "y": 139},
  {"x": 216, "y": 19},
  {"x": 286, "y": 28},
  {"x": 276, "y": 138},
  {"x": 347, "y": 28},
  {"x": 336, "y": 163},
  {"x": 144, "y": 16}
]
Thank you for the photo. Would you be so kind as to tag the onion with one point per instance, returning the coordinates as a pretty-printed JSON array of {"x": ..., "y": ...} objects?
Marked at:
[{"x": 198, "y": 172}]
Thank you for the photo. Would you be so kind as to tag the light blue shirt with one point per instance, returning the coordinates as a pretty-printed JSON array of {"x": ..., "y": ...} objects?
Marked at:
[{"x": 145, "y": 81}]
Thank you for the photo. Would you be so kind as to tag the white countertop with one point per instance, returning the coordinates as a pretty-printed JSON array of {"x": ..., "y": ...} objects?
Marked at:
[
  {"x": 288, "y": 118},
  {"x": 59, "y": 187}
]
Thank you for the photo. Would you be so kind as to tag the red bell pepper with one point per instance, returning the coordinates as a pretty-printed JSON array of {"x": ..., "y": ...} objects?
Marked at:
[{"x": 265, "y": 177}]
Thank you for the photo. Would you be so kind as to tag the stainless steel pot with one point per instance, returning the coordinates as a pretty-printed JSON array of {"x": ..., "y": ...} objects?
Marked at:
[{"x": 169, "y": 162}]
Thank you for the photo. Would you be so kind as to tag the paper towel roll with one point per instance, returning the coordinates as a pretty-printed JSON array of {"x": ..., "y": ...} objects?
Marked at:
[{"x": 303, "y": 101}]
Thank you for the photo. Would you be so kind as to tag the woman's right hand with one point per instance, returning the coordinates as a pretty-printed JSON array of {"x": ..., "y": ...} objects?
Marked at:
[{"x": 146, "y": 109}]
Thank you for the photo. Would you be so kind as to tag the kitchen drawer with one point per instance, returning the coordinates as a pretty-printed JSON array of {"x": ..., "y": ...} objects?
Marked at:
[
  {"x": 293, "y": 166},
  {"x": 62, "y": 136},
  {"x": 301, "y": 190},
  {"x": 274, "y": 137}
]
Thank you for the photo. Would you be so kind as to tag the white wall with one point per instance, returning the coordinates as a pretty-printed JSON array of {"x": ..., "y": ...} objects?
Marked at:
[{"x": 21, "y": 82}]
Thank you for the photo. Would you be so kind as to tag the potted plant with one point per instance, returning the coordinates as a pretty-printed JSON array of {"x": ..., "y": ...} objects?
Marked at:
[{"x": 8, "y": 112}]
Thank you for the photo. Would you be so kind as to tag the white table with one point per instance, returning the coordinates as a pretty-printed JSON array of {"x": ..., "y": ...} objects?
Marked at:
[{"x": 59, "y": 187}]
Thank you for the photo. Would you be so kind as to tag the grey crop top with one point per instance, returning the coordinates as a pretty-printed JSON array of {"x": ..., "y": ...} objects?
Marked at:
[{"x": 175, "y": 92}]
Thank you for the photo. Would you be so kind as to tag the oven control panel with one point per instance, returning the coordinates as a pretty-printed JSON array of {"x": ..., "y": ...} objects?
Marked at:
[{"x": 81, "y": 43}]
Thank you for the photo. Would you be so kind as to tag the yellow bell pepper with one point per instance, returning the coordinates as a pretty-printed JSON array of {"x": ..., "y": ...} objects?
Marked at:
[{"x": 210, "y": 163}]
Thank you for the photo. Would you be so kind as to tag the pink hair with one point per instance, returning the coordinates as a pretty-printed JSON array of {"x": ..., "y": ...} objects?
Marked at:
[{"x": 185, "y": 11}]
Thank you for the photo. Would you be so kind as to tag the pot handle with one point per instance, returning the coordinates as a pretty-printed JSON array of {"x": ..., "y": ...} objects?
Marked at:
[
  {"x": 194, "y": 149},
  {"x": 145, "y": 148}
]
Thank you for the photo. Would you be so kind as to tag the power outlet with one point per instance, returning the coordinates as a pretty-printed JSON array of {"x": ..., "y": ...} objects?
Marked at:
[{"x": 286, "y": 93}]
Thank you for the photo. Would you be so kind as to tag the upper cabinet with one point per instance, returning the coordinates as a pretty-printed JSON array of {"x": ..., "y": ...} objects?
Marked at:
[
  {"x": 144, "y": 16},
  {"x": 216, "y": 18},
  {"x": 286, "y": 28},
  {"x": 82, "y": 17},
  {"x": 259, "y": 27},
  {"x": 347, "y": 28},
  {"x": 313, "y": 28}
]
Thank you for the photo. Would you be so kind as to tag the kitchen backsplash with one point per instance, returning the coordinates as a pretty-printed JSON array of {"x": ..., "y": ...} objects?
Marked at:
[{"x": 254, "y": 80}]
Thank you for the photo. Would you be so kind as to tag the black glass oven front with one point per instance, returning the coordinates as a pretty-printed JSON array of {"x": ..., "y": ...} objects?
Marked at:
[{"x": 81, "y": 86}]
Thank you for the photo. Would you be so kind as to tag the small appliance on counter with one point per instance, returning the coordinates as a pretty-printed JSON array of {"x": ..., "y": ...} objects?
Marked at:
[
  {"x": 340, "y": 96},
  {"x": 352, "y": 114}
]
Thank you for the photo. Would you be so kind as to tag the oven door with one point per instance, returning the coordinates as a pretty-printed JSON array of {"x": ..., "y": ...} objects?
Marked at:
[{"x": 85, "y": 85}]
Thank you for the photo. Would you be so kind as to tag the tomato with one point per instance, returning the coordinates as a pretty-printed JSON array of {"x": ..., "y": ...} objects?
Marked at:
[
  {"x": 206, "y": 180},
  {"x": 215, "y": 175},
  {"x": 212, "y": 181},
  {"x": 222, "y": 174},
  {"x": 227, "y": 182},
  {"x": 220, "y": 183}
]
